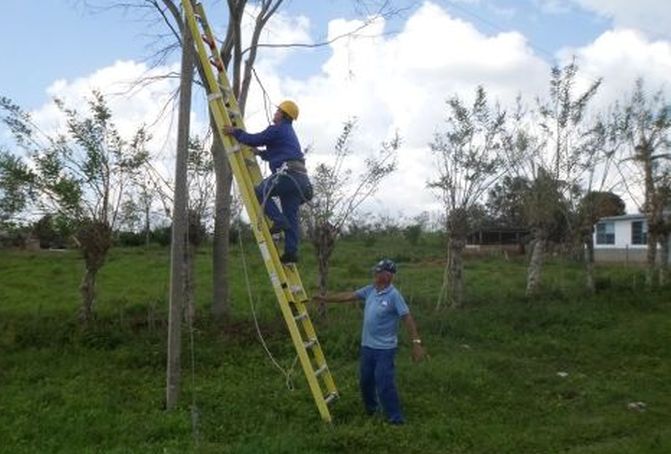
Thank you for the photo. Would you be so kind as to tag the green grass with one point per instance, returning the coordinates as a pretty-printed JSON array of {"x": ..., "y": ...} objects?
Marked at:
[{"x": 491, "y": 385}]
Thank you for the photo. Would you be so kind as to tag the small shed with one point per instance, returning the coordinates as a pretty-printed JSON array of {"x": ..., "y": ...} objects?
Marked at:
[{"x": 510, "y": 239}]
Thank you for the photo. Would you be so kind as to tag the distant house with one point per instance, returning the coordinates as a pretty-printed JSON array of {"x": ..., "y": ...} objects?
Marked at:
[
  {"x": 621, "y": 239},
  {"x": 497, "y": 238}
]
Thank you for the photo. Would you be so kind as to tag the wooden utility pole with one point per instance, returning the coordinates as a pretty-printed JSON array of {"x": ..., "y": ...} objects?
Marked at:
[{"x": 179, "y": 221}]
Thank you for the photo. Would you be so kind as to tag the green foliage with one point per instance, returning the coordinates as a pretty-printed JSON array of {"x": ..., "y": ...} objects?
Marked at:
[
  {"x": 15, "y": 186},
  {"x": 53, "y": 231},
  {"x": 80, "y": 175},
  {"x": 598, "y": 204},
  {"x": 413, "y": 233},
  {"x": 468, "y": 151},
  {"x": 492, "y": 383}
]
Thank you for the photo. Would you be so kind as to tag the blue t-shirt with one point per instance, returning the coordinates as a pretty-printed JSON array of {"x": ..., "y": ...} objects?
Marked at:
[
  {"x": 280, "y": 141},
  {"x": 381, "y": 313}
]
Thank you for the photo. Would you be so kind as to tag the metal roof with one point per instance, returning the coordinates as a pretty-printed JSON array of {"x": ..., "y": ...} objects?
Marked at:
[{"x": 623, "y": 217}]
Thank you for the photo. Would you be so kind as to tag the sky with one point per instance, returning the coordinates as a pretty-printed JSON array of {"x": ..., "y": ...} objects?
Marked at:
[{"x": 393, "y": 77}]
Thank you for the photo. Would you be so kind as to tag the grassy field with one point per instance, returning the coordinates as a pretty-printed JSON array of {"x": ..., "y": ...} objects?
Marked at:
[{"x": 554, "y": 374}]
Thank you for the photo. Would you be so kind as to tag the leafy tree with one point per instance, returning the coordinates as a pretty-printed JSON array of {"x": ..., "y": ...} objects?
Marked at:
[
  {"x": 15, "y": 193},
  {"x": 469, "y": 163},
  {"x": 644, "y": 127},
  {"x": 81, "y": 175},
  {"x": 53, "y": 231},
  {"x": 505, "y": 201},
  {"x": 547, "y": 148},
  {"x": 339, "y": 192}
]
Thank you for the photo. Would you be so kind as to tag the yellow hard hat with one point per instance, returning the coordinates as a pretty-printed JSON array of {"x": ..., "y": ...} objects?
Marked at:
[{"x": 290, "y": 108}]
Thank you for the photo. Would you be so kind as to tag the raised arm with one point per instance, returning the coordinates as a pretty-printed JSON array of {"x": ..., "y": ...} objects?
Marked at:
[{"x": 339, "y": 297}]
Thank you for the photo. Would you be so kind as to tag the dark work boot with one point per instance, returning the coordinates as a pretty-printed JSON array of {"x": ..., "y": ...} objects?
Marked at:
[{"x": 289, "y": 257}]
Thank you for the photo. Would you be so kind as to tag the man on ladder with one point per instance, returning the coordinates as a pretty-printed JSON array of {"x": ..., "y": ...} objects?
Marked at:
[{"x": 289, "y": 179}]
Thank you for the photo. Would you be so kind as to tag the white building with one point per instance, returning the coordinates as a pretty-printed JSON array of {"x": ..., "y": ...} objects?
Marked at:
[{"x": 621, "y": 239}]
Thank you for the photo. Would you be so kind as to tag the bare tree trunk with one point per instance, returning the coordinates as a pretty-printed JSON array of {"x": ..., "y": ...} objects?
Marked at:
[
  {"x": 147, "y": 226},
  {"x": 650, "y": 260},
  {"x": 179, "y": 220},
  {"x": 535, "y": 269},
  {"x": 221, "y": 309},
  {"x": 323, "y": 240},
  {"x": 95, "y": 239},
  {"x": 442, "y": 296},
  {"x": 190, "y": 282},
  {"x": 455, "y": 270},
  {"x": 87, "y": 290},
  {"x": 323, "y": 269},
  {"x": 589, "y": 264},
  {"x": 453, "y": 280},
  {"x": 663, "y": 257}
]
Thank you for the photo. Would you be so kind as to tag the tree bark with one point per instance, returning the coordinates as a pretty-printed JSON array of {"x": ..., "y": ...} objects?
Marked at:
[
  {"x": 87, "y": 290},
  {"x": 147, "y": 226},
  {"x": 455, "y": 267},
  {"x": 190, "y": 282},
  {"x": 457, "y": 231},
  {"x": 323, "y": 239},
  {"x": 663, "y": 258},
  {"x": 95, "y": 239},
  {"x": 535, "y": 269},
  {"x": 650, "y": 260},
  {"x": 589, "y": 264},
  {"x": 179, "y": 220},
  {"x": 221, "y": 309}
]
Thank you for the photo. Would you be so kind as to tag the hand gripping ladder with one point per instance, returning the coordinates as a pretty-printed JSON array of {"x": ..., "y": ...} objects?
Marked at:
[{"x": 285, "y": 279}]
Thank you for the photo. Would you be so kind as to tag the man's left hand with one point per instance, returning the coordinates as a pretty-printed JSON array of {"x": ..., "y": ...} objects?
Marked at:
[
  {"x": 418, "y": 352},
  {"x": 228, "y": 129}
]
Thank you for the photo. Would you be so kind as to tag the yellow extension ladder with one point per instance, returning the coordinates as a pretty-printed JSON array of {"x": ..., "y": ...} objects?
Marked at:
[{"x": 285, "y": 279}]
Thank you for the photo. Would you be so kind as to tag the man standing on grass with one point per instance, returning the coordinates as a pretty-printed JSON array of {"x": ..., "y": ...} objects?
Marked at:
[{"x": 384, "y": 306}]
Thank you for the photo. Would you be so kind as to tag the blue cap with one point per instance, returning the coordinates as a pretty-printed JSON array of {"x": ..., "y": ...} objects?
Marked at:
[{"x": 385, "y": 265}]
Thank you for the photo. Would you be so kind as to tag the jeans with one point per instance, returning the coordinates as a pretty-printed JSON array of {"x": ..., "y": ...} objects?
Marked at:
[
  {"x": 291, "y": 188},
  {"x": 377, "y": 383}
]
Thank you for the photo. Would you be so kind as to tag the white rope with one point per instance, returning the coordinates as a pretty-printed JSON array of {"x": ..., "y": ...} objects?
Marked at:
[{"x": 286, "y": 372}]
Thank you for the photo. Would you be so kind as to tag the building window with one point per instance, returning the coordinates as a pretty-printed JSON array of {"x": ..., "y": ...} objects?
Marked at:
[
  {"x": 605, "y": 233},
  {"x": 639, "y": 232}
]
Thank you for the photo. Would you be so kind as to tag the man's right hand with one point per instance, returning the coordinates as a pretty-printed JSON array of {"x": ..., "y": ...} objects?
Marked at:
[{"x": 317, "y": 299}]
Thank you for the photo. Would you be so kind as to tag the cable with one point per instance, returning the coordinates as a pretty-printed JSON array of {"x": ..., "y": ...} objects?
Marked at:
[{"x": 288, "y": 380}]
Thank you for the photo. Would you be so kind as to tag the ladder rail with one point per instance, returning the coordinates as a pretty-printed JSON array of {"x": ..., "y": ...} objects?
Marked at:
[{"x": 247, "y": 174}]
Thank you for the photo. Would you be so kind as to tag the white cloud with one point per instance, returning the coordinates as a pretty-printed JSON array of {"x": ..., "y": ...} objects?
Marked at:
[
  {"x": 401, "y": 82},
  {"x": 132, "y": 105},
  {"x": 389, "y": 82},
  {"x": 620, "y": 57},
  {"x": 650, "y": 16}
]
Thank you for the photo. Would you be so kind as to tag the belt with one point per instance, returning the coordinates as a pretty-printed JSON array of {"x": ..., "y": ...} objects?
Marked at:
[{"x": 296, "y": 165}]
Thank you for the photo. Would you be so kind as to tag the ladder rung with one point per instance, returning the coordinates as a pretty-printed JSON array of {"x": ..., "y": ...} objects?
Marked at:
[
  {"x": 217, "y": 64},
  {"x": 207, "y": 41},
  {"x": 296, "y": 289},
  {"x": 301, "y": 316},
  {"x": 213, "y": 96},
  {"x": 234, "y": 149},
  {"x": 330, "y": 398},
  {"x": 321, "y": 370},
  {"x": 310, "y": 343}
]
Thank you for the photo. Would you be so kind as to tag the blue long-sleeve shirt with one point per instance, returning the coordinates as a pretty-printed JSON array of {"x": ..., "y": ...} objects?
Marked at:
[{"x": 280, "y": 141}]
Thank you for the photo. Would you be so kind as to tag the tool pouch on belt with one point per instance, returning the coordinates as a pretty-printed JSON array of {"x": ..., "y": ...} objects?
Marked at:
[
  {"x": 298, "y": 166},
  {"x": 308, "y": 192}
]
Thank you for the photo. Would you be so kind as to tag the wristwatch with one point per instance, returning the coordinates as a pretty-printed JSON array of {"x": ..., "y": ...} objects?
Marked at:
[{"x": 417, "y": 341}]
